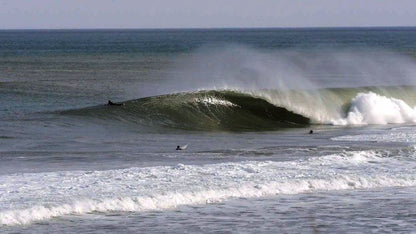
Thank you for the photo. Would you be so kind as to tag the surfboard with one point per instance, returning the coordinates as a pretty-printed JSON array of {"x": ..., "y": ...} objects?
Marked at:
[{"x": 183, "y": 147}]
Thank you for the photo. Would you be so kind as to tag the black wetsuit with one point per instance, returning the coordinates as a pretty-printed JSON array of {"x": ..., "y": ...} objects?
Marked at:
[{"x": 110, "y": 103}]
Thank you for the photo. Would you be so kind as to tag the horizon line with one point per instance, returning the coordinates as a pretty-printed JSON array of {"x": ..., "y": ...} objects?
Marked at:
[{"x": 210, "y": 28}]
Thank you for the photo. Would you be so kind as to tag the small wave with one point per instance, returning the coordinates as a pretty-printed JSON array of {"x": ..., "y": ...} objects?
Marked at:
[
  {"x": 173, "y": 200},
  {"x": 405, "y": 135}
]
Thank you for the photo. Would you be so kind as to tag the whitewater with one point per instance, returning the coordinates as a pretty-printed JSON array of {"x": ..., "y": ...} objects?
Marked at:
[{"x": 161, "y": 188}]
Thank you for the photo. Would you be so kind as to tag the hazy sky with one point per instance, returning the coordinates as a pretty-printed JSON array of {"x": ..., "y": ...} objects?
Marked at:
[{"x": 204, "y": 13}]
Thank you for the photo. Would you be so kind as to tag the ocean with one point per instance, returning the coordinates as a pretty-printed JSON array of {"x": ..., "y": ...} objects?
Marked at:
[{"x": 282, "y": 131}]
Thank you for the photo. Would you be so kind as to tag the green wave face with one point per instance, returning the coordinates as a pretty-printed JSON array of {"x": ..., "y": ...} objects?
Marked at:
[
  {"x": 203, "y": 110},
  {"x": 240, "y": 110}
]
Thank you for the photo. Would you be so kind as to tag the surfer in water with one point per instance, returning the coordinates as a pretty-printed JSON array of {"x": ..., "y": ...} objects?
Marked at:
[
  {"x": 311, "y": 132},
  {"x": 110, "y": 103},
  {"x": 181, "y": 147}
]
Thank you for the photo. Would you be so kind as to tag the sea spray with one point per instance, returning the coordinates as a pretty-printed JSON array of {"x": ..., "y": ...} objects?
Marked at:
[
  {"x": 371, "y": 108},
  {"x": 241, "y": 67},
  {"x": 308, "y": 82}
]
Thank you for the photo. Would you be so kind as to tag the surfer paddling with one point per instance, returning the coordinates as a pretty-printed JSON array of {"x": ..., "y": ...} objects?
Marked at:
[
  {"x": 110, "y": 103},
  {"x": 181, "y": 147}
]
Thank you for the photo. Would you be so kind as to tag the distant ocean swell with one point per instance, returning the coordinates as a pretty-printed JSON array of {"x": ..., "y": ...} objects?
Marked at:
[
  {"x": 264, "y": 109},
  {"x": 161, "y": 188}
]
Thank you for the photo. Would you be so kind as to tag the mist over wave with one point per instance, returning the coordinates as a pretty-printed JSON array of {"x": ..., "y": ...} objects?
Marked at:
[
  {"x": 245, "y": 68},
  {"x": 338, "y": 86}
]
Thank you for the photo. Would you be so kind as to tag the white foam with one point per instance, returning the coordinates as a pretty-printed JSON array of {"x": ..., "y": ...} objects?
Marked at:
[
  {"x": 173, "y": 200},
  {"x": 405, "y": 135},
  {"x": 26, "y": 198},
  {"x": 214, "y": 101},
  {"x": 371, "y": 108}
]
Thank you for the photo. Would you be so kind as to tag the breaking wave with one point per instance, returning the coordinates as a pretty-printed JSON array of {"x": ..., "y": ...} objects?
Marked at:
[
  {"x": 371, "y": 108},
  {"x": 202, "y": 110},
  {"x": 264, "y": 109}
]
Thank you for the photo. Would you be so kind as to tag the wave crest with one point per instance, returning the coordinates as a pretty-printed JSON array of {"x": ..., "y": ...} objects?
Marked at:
[
  {"x": 202, "y": 110},
  {"x": 241, "y": 110}
]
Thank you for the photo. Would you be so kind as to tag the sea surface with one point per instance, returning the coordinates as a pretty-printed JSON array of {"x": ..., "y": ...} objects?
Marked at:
[{"x": 241, "y": 103}]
